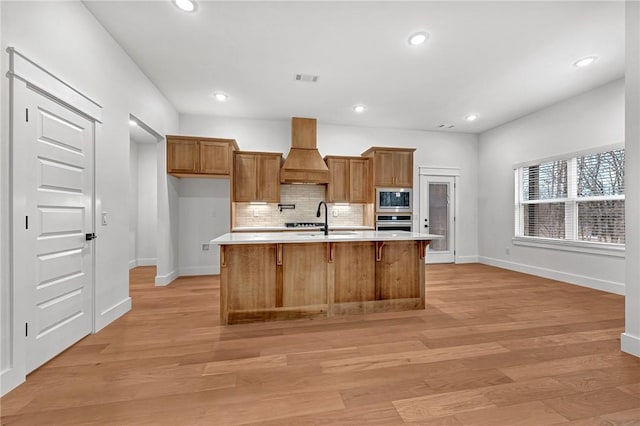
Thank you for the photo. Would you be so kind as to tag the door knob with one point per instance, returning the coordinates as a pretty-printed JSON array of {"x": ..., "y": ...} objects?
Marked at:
[{"x": 90, "y": 236}]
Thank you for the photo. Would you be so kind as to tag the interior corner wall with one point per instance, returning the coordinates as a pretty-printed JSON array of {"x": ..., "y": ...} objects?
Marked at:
[
  {"x": 66, "y": 39},
  {"x": 590, "y": 120},
  {"x": 133, "y": 203},
  {"x": 5, "y": 287},
  {"x": 630, "y": 339},
  {"x": 146, "y": 205},
  {"x": 444, "y": 149}
]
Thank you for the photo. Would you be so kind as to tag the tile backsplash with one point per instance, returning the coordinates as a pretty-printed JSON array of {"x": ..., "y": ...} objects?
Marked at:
[{"x": 306, "y": 199}]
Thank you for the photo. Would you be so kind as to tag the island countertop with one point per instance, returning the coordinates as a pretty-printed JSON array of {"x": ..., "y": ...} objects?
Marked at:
[{"x": 318, "y": 237}]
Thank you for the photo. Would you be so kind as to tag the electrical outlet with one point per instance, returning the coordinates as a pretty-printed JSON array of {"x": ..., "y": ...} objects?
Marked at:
[
  {"x": 507, "y": 251},
  {"x": 255, "y": 212},
  {"x": 205, "y": 247},
  {"x": 335, "y": 213}
]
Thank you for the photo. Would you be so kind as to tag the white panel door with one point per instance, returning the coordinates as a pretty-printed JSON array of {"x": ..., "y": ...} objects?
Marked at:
[
  {"x": 54, "y": 146},
  {"x": 437, "y": 216}
]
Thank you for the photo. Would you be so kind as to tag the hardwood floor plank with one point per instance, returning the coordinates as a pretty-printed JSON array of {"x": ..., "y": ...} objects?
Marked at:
[
  {"x": 527, "y": 414},
  {"x": 490, "y": 348},
  {"x": 590, "y": 404},
  {"x": 415, "y": 357}
]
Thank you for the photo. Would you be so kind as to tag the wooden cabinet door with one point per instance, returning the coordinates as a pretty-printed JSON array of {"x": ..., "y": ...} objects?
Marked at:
[
  {"x": 182, "y": 156},
  {"x": 384, "y": 161},
  {"x": 403, "y": 169},
  {"x": 268, "y": 178},
  {"x": 215, "y": 158},
  {"x": 244, "y": 178},
  {"x": 338, "y": 187},
  {"x": 355, "y": 272},
  {"x": 304, "y": 274},
  {"x": 250, "y": 277},
  {"x": 359, "y": 178},
  {"x": 394, "y": 280}
]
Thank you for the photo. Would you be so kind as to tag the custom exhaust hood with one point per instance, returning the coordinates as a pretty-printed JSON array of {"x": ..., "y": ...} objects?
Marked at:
[{"x": 304, "y": 164}]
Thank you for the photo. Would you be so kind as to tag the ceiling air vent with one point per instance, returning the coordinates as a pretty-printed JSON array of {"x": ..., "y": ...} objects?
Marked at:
[
  {"x": 307, "y": 77},
  {"x": 445, "y": 126}
]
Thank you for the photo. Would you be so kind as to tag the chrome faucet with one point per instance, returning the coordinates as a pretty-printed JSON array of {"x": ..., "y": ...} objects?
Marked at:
[{"x": 326, "y": 217}]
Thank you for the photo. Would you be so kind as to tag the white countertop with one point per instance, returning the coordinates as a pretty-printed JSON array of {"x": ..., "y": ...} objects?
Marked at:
[
  {"x": 307, "y": 236},
  {"x": 302, "y": 229}
]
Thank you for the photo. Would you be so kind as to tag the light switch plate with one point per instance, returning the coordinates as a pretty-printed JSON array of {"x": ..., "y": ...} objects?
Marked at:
[
  {"x": 335, "y": 213},
  {"x": 104, "y": 219}
]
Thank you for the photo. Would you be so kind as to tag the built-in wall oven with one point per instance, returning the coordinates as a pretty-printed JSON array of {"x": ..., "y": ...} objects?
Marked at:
[
  {"x": 394, "y": 200},
  {"x": 400, "y": 222}
]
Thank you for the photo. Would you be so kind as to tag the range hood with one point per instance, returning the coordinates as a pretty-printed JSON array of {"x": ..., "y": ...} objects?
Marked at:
[{"x": 304, "y": 163}]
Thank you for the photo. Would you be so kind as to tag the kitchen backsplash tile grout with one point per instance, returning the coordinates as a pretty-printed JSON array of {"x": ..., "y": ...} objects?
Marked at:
[{"x": 306, "y": 199}]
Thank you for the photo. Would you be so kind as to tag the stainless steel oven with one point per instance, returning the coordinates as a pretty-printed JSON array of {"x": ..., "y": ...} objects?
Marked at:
[
  {"x": 394, "y": 222},
  {"x": 394, "y": 200}
]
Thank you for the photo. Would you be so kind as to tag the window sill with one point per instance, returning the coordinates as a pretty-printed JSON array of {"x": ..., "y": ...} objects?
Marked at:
[{"x": 603, "y": 249}]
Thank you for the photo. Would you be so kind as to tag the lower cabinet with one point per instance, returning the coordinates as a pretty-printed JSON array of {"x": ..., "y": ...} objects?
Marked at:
[{"x": 262, "y": 282}]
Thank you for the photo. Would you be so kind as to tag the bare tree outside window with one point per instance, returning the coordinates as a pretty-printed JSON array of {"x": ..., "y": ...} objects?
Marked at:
[
  {"x": 601, "y": 175},
  {"x": 580, "y": 199}
]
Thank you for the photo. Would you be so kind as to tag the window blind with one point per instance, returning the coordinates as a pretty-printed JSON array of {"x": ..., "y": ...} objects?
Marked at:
[{"x": 579, "y": 198}]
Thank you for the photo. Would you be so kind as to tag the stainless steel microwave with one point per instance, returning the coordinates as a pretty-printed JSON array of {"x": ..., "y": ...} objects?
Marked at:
[{"x": 396, "y": 200}]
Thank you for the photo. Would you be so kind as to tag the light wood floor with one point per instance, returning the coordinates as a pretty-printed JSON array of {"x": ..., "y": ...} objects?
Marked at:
[{"x": 492, "y": 348}]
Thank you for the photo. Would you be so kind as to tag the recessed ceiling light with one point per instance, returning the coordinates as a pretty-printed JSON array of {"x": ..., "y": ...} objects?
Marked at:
[
  {"x": 585, "y": 62},
  {"x": 221, "y": 96},
  {"x": 186, "y": 5},
  {"x": 471, "y": 117},
  {"x": 418, "y": 38},
  {"x": 133, "y": 123},
  {"x": 359, "y": 108}
]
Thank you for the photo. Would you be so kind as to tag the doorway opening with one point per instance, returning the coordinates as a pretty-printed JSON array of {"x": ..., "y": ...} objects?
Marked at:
[{"x": 143, "y": 194}]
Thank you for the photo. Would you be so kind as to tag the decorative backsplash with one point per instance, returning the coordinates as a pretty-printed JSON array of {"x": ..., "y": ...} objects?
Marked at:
[{"x": 306, "y": 199}]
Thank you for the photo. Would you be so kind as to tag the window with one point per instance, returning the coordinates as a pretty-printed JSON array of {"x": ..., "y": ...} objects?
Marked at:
[{"x": 579, "y": 199}]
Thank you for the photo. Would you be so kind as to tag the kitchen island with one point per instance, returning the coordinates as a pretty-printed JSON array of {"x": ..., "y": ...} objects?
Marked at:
[{"x": 288, "y": 275}]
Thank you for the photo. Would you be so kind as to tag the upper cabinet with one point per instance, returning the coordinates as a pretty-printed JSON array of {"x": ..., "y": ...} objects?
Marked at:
[
  {"x": 349, "y": 179},
  {"x": 392, "y": 167},
  {"x": 256, "y": 176},
  {"x": 199, "y": 157}
]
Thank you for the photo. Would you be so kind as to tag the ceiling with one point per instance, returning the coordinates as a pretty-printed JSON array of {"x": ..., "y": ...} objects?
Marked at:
[{"x": 500, "y": 60}]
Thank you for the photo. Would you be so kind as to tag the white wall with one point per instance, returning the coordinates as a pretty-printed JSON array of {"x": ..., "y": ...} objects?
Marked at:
[
  {"x": 133, "y": 203},
  {"x": 630, "y": 339},
  {"x": 432, "y": 149},
  {"x": 143, "y": 205},
  {"x": 65, "y": 38},
  {"x": 147, "y": 205},
  {"x": 592, "y": 119},
  {"x": 204, "y": 215}
]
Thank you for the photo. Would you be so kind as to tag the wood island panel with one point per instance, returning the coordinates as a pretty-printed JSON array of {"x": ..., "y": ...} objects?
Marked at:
[
  {"x": 252, "y": 269},
  {"x": 304, "y": 274},
  {"x": 279, "y": 281},
  {"x": 355, "y": 272},
  {"x": 394, "y": 280}
]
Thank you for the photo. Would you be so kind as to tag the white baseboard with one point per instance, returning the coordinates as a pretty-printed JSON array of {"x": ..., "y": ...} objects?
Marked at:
[
  {"x": 134, "y": 263},
  {"x": 162, "y": 280},
  {"x": 199, "y": 270},
  {"x": 466, "y": 259},
  {"x": 10, "y": 379},
  {"x": 113, "y": 313},
  {"x": 630, "y": 344},
  {"x": 581, "y": 280}
]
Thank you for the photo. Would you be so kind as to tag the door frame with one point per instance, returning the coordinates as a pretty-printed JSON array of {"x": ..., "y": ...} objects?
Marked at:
[
  {"x": 451, "y": 172},
  {"x": 24, "y": 75}
]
